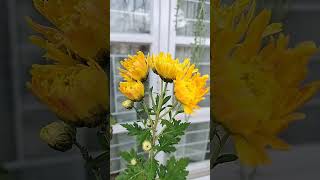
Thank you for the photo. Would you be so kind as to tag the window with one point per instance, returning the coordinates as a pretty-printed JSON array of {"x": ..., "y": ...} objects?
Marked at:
[{"x": 152, "y": 26}]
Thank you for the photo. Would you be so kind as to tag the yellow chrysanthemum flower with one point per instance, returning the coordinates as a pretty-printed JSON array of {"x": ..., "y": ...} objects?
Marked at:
[
  {"x": 190, "y": 87},
  {"x": 135, "y": 68},
  {"x": 79, "y": 28},
  {"x": 77, "y": 94},
  {"x": 133, "y": 90},
  {"x": 164, "y": 65},
  {"x": 257, "y": 79}
]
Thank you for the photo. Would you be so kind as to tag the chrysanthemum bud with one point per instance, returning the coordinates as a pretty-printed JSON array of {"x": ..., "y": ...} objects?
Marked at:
[
  {"x": 146, "y": 145},
  {"x": 149, "y": 123},
  {"x": 133, "y": 162},
  {"x": 128, "y": 104},
  {"x": 58, "y": 135}
]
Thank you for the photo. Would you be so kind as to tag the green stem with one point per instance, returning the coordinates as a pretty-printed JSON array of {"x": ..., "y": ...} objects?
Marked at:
[
  {"x": 97, "y": 174},
  {"x": 87, "y": 157},
  {"x": 157, "y": 118}
]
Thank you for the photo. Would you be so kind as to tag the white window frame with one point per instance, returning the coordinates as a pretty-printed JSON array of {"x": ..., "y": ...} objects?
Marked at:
[{"x": 163, "y": 37}]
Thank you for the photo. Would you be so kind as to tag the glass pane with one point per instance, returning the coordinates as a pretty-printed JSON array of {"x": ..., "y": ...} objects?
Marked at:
[
  {"x": 130, "y": 16},
  {"x": 120, "y": 51},
  {"x": 194, "y": 144},
  {"x": 186, "y": 17}
]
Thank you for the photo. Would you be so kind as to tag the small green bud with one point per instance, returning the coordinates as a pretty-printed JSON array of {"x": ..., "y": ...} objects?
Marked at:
[
  {"x": 59, "y": 136},
  {"x": 149, "y": 123},
  {"x": 146, "y": 145},
  {"x": 128, "y": 104},
  {"x": 133, "y": 162}
]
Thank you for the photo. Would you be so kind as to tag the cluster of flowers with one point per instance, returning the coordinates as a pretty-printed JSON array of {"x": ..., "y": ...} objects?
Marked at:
[{"x": 189, "y": 85}]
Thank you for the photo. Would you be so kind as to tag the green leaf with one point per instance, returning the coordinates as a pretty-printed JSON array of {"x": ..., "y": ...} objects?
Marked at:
[
  {"x": 132, "y": 173},
  {"x": 224, "y": 159},
  {"x": 166, "y": 100},
  {"x": 157, "y": 100},
  {"x": 103, "y": 140},
  {"x": 135, "y": 130},
  {"x": 151, "y": 167},
  {"x": 174, "y": 170},
  {"x": 128, "y": 156},
  {"x": 112, "y": 120},
  {"x": 171, "y": 135},
  {"x": 162, "y": 109},
  {"x": 140, "y": 111},
  {"x": 102, "y": 158},
  {"x": 180, "y": 111}
]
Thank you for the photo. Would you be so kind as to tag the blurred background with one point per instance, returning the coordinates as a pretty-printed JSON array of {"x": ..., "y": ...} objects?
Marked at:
[
  {"x": 22, "y": 116},
  {"x": 301, "y": 22},
  {"x": 180, "y": 27}
]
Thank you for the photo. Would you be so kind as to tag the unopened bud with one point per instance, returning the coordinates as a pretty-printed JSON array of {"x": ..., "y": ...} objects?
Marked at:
[
  {"x": 133, "y": 162},
  {"x": 128, "y": 104},
  {"x": 58, "y": 135},
  {"x": 146, "y": 145}
]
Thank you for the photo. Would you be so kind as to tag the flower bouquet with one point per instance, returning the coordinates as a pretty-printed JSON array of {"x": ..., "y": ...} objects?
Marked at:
[{"x": 159, "y": 130}]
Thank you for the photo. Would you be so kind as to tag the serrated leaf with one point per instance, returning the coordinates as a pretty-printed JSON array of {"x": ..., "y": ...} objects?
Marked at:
[
  {"x": 127, "y": 156},
  {"x": 151, "y": 167},
  {"x": 171, "y": 135},
  {"x": 174, "y": 170},
  {"x": 135, "y": 130},
  {"x": 132, "y": 173},
  {"x": 103, "y": 140},
  {"x": 224, "y": 159}
]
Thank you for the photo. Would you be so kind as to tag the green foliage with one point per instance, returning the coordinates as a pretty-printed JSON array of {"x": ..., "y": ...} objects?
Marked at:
[
  {"x": 224, "y": 158},
  {"x": 175, "y": 169},
  {"x": 151, "y": 167},
  {"x": 143, "y": 170},
  {"x": 166, "y": 99},
  {"x": 135, "y": 130},
  {"x": 171, "y": 135},
  {"x": 128, "y": 156},
  {"x": 132, "y": 173},
  {"x": 103, "y": 140}
]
